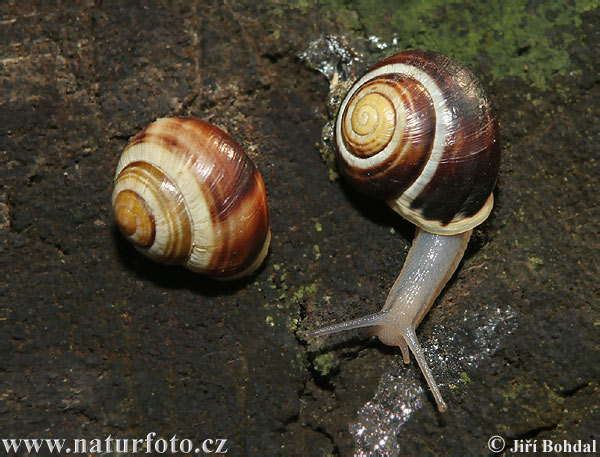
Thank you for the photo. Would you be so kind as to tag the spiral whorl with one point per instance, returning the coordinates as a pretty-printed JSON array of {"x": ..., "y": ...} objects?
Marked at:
[
  {"x": 186, "y": 193},
  {"x": 418, "y": 131}
]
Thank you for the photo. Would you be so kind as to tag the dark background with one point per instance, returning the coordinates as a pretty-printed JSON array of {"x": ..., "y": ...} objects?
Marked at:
[{"x": 97, "y": 340}]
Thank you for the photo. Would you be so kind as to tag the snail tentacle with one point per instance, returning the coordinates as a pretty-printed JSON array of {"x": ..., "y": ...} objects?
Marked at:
[
  {"x": 361, "y": 322},
  {"x": 431, "y": 262},
  {"x": 418, "y": 131}
]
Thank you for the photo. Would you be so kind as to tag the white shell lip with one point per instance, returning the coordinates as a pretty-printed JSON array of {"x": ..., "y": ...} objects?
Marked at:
[
  {"x": 443, "y": 122},
  {"x": 459, "y": 224}
]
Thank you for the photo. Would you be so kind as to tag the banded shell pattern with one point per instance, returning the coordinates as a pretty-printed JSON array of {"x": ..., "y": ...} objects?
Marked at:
[
  {"x": 418, "y": 131},
  {"x": 186, "y": 193}
]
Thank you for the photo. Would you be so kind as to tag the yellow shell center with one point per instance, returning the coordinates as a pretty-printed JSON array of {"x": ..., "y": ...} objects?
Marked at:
[
  {"x": 134, "y": 218},
  {"x": 372, "y": 124}
]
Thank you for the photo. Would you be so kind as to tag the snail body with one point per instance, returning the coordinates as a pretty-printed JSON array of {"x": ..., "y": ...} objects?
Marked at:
[
  {"x": 186, "y": 193},
  {"x": 418, "y": 131}
]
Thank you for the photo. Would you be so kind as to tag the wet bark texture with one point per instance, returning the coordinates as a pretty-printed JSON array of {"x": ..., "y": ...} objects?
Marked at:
[{"x": 97, "y": 340}]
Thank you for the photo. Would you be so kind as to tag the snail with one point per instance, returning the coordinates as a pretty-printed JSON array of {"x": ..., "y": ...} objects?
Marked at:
[
  {"x": 186, "y": 193},
  {"x": 418, "y": 131}
]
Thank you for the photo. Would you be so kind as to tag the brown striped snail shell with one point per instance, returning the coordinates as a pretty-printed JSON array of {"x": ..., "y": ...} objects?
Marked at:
[
  {"x": 186, "y": 193},
  {"x": 418, "y": 131}
]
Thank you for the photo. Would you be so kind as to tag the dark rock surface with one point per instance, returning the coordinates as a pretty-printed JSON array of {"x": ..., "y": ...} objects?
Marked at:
[{"x": 97, "y": 340}]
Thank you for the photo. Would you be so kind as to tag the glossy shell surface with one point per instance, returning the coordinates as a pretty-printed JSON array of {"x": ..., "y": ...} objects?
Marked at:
[
  {"x": 418, "y": 131},
  {"x": 186, "y": 193}
]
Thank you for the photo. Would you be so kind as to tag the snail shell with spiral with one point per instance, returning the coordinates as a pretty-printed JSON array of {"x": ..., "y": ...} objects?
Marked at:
[
  {"x": 418, "y": 131},
  {"x": 186, "y": 193}
]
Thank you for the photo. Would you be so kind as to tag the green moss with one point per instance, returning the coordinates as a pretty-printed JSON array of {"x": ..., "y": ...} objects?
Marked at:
[
  {"x": 288, "y": 309},
  {"x": 536, "y": 262},
  {"x": 464, "y": 377},
  {"x": 326, "y": 149},
  {"x": 303, "y": 291},
  {"x": 317, "y": 251},
  {"x": 515, "y": 38},
  {"x": 324, "y": 363},
  {"x": 535, "y": 406},
  {"x": 517, "y": 391}
]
